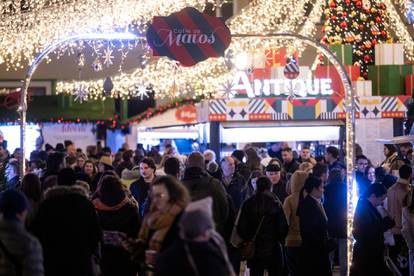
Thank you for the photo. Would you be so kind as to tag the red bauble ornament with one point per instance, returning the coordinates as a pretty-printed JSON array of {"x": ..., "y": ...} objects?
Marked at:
[
  {"x": 333, "y": 17},
  {"x": 367, "y": 58},
  {"x": 344, "y": 14},
  {"x": 359, "y": 4},
  {"x": 383, "y": 33},
  {"x": 347, "y": 2},
  {"x": 332, "y": 4},
  {"x": 378, "y": 19},
  {"x": 343, "y": 24},
  {"x": 374, "y": 42},
  {"x": 361, "y": 27},
  {"x": 365, "y": 74}
]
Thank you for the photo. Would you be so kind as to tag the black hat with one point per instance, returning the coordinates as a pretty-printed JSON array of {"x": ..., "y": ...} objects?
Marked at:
[
  {"x": 272, "y": 168},
  {"x": 111, "y": 191}
]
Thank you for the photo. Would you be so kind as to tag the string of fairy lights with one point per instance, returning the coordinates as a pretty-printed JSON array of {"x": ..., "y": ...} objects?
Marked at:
[
  {"x": 29, "y": 28},
  {"x": 214, "y": 75}
]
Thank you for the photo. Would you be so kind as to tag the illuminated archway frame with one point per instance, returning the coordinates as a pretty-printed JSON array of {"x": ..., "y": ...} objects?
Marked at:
[{"x": 349, "y": 102}]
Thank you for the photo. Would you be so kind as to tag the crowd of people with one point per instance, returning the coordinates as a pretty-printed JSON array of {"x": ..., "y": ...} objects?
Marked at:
[{"x": 136, "y": 213}]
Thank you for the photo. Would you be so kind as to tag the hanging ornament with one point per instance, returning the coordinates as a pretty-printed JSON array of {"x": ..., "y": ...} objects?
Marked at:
[
  {"x": 359, "y": 4},
  {"x": 363, "y": 17},
  {"x": 97, "y": 65},
  {"x": 142, "y": 91},
  {"x": 81, "y": 60},
  {"x": 108, "y": 57},
  {"x": 366, "y": 4},
  {"x": 81, "y": 93},
  {"x": 343, "y": 24},
  {"x": 292, "y": 69},
  {"x": 367, "y": 58},
  {"x": 107, "y": 87}
]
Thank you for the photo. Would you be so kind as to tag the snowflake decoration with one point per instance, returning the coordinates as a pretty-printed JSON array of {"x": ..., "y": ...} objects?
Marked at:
[
  {"x": 81, "y": 93},
  {"x": 227, "y": 90},
  {"x": 142, "y": 91},
  {"x": 108, "y": 57}
]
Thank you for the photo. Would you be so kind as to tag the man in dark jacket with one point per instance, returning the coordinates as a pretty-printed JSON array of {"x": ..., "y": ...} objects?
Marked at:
[
  {"x": 234, "y": 183},
  {"x": 336, "y": 212},
  {"x": 201, "y": 185},
  {"x": 332, "y": 158},
  {"x": 67, "y": 226},
  {"x": 289, "y": 163},
  {"x": 20, "y": 252}
]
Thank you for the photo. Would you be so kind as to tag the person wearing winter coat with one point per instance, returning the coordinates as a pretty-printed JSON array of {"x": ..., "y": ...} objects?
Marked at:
[
  {"x": 290, "y": 206},
  {"x": 139, "y": 189},
  {"x": 159, "y": 228},
  {"x": 234, "y": 183},
  {"x": 20, "y": 252},
  {"x": 119, "y": 219},
  {"x": 392, "y": 163},
  {"x": 201, "y": 185},
  {"x": 313, "y": 223},
  {"x": 396, "y": 196},
  {"x": 408, "y": 229},
  {"x": 200, "y": 250},
  {"x": 263, "y": 214},
  {"x": 336, "y": 212},
  {"x": 368, "y": 231},
  {"x": 68, "y": 229}
]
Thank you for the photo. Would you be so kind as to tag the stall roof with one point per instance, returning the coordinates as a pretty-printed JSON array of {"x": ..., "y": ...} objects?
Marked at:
[
  {"x": 185, "y": 115},
  {"x": 397, "y": 140}
]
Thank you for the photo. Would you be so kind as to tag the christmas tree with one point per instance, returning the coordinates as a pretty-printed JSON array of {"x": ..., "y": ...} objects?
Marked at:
[{"x": 361, "y": 23}]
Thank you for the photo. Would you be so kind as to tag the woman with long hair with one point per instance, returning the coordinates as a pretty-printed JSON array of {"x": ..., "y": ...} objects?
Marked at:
[
  {"x": 263, "y": 223},
  {"x": 313, "y": 229},
  {"x": 160, "y": 226},
  {"x": 391, "y": 163},
  {"x": 369, "y": 227},
  {"x": 290, "y": 206}
]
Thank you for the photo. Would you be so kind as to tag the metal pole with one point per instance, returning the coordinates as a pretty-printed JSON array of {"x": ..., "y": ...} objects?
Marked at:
[{"x": 23, "y": 93}]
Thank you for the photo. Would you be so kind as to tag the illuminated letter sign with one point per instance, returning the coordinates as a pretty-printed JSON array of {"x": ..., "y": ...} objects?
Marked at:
[{"x": 277, "y": 87}]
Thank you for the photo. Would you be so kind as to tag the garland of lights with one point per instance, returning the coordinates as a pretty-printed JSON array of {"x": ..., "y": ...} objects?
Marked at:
[
  {"x": 209, "y": 78},
  {"x": 25, "y": 31}
]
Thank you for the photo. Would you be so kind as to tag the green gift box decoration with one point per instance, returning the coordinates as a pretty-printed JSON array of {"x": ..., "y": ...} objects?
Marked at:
[
  {"x": 343, "y": 52},
  {"x": 388, "y": 80}
]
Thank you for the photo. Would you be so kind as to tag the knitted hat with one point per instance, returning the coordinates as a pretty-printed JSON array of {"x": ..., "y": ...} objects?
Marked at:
[
  {"x": 111, "y": 191},
  {"x": 106, "y": 160},
  {"x": 195, "y": 223},
  {"x": 12, "y": 202}
]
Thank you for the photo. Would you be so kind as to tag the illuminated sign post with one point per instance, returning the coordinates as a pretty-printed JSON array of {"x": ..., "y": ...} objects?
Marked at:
[{"x": 277, "y": 87}]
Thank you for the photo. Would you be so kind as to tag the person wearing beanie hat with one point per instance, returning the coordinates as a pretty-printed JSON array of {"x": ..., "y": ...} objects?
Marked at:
[
  {"x": 273, "y": 172},
  {"x": 119, "y": 219},
  {"x": 105, "y": 164},
  {"x": 200, "y": 251},
  {"x": 20, "y": 252},
  {"x": 130, "y": 176},
  {"x": 392, "y": 163},
  {"x": 201, "y": 184}
]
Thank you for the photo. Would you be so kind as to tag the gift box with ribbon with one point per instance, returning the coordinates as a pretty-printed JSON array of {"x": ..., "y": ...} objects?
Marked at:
[
  {"x": 343, "y": 52},
  {"x": 363, "y": 88},
  {"x": 278, "y": 57},
  {"x": 388, "y": 80},
  {"x": 409, "y": 85},
  {"x": 330, "y": 72},
  {"x": 389, "y": 54}
]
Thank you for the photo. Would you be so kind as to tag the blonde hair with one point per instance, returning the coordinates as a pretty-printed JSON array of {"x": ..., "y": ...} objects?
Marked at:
[{"x": 306, "y": 167}]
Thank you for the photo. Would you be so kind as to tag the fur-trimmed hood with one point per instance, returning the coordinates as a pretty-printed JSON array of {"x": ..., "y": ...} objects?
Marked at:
[{"x": 65, "y": 190}]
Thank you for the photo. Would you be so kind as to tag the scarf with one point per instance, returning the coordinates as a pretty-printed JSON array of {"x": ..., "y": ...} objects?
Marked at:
[
  {"x": 160, "y": 222},
  {"x": 100, "y": 206}
]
